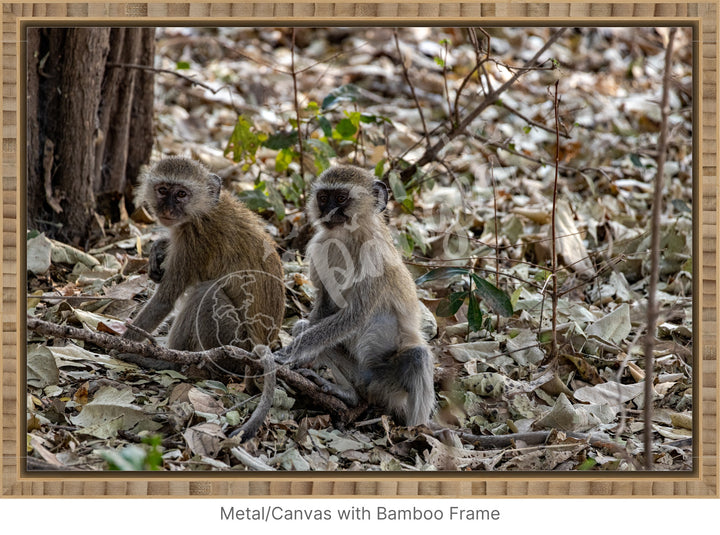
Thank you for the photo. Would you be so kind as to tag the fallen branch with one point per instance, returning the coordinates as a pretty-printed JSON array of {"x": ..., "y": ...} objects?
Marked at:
[
  {"x": 534, "y": 438},
  {"x": 226, "y": 358}
]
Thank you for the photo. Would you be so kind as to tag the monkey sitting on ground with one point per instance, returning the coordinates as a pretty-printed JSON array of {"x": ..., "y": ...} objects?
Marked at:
[
  {"x": 365, "y": 323},
  {"x": 218, "y": 262},
  {"x": 219, "y": 253}
]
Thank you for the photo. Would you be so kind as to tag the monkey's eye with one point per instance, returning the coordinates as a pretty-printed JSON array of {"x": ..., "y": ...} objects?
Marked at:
[
  {"x": 162, "y": 190},
  {"x": 322, "y": 197},
  {"x": 181, "y": 194},
  {"x": 341, "y": 198}
]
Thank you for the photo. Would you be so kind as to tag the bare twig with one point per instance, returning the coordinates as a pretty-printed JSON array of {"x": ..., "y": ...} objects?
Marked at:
[
  {"x": 553, "y": 223},
  {"x": 490, "y": 99},
  {"x": 166, "y": 71},
  {"x": 479, "y": 62},
  {"x": 652, "y": 309},
  {"x": 529, "y": 121},
  {"x": 496, "y": 232},
  {"x": 297, "y": 112},
  {"x": 406, "y": 75}
]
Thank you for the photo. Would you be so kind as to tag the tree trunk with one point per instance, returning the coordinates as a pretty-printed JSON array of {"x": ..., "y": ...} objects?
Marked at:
[{"x": 89, "y": 125}]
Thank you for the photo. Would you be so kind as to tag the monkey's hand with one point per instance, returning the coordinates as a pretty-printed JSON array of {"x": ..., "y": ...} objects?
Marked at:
[
  {"x": 158, "y": 251},
  {"x": 288, "y": 355},
  {"x": 346, "y": 394}
]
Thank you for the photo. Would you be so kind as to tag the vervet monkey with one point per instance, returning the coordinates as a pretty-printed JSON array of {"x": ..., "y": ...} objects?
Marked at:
[
  {"x": 218, "y": 263},
  {"x": 218, "y": 254},
  {"x": 365, "y": 322}
]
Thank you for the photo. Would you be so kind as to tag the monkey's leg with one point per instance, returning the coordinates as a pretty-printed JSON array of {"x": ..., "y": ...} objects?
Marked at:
[
  {"x": 207, "y": 318},
  {"x": 404, "y": 384}
]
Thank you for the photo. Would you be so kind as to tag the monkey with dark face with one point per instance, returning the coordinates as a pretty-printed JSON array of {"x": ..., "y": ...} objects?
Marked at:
[
  {"x": 218, "y": 259},
  {"x": 365, "y": 323}
]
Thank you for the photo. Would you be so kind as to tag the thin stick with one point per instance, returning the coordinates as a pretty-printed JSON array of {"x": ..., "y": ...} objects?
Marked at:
[
  {"x": 166, "y": 71},
  {"x": 432, "y": 152},
  {"x": 652, "y": 309},
  {"x": 406, "y": 75},
  {"x": 297, "y": 113},
  {"x": 553, "y": 223}
]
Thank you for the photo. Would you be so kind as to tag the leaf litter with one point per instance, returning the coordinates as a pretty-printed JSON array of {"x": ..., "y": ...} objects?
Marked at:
[{"x": 488, "y": 197}]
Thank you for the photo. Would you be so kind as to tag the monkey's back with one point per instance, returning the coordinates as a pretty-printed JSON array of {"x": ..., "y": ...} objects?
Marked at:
[{"x": 231, "y": 245}]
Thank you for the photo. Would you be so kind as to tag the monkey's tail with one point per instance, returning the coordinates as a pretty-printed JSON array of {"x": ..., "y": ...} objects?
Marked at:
[{"x": 250, "y": 428}]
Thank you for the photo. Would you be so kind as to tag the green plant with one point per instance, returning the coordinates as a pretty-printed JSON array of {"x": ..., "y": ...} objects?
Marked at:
[
  {"x": 478, "y": 289},
  {"x": 136, "y": 458},
  {"x": 327, "y": 130}
]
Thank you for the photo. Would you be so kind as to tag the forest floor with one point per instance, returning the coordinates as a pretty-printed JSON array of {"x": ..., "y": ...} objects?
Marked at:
[{"x": 481, "y": 205}]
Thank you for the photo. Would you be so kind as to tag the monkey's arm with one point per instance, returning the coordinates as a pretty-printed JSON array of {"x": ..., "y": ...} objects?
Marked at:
[
  {"x": 158, "y": 251},
  {"x": 326, "y": 332},
  {"x": 159, "y": 306}
]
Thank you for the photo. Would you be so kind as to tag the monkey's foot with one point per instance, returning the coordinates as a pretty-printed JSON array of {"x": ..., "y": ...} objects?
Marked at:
[{"x": 344, "y": 394}]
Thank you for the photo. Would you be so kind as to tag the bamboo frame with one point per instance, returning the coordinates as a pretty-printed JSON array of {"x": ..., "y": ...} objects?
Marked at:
[{"x": 703, "y": 481}]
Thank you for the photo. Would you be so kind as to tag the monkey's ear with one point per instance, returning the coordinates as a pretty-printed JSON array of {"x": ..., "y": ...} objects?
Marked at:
[
  {"x": 381, "y": 195},
  {"x": 214, "y": 185}
]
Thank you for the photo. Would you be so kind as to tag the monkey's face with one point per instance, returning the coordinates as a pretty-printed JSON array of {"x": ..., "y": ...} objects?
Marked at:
[
  {"x": 344, "y": 196},
  {"x": 332, "y": 206},
  {"x": 171, "y": 202}
]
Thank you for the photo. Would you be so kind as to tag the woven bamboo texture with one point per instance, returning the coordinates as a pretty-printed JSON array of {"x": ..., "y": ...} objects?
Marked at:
[{"x": 702, "y": 15}]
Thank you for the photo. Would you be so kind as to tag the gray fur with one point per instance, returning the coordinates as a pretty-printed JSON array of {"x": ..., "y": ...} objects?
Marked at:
[{"x": 365, "y": 324}]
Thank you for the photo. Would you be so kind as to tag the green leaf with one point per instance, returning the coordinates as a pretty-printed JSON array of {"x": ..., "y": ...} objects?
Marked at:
[
  {"x": 256, "y": 199},
  {"x": 587, "y": 464},
  {"x": 635, "y": 159},
  {"x": 354, "y": 117},
  {"x": 346, "y": 129},
  {"x": 322, "y": 152},
  {"x": 475, "y": 315},
  {"x": 494, "y": 297},
  {"x": 440, "y": 61},
  {"x": 406, "y": 244},
  {"x": 283, "y": 159},
  {"x": 527, "y": 129},
  {"x": 451, "y": 304},
  {"x": 182, "y": 65},
  {"x": 379, "y": 168},
  {"x": 408, "y": 205},
  {"x": 276, "y": 201},
  {"x": 292, "y": 190},
  {"x": 283, "y": 140},
  {"x": 397, "y": 187},
  {"x": 325, "y": 125},
  {"x": 345, "y": 93},
  {"x": 243, "y": 142},
  {"x": 441, "y": 273},
  {"x": 154, "y": 459}
]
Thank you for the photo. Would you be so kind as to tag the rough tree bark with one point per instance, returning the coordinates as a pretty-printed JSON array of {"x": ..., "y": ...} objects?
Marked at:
[{"x": 89, "y": 125}]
